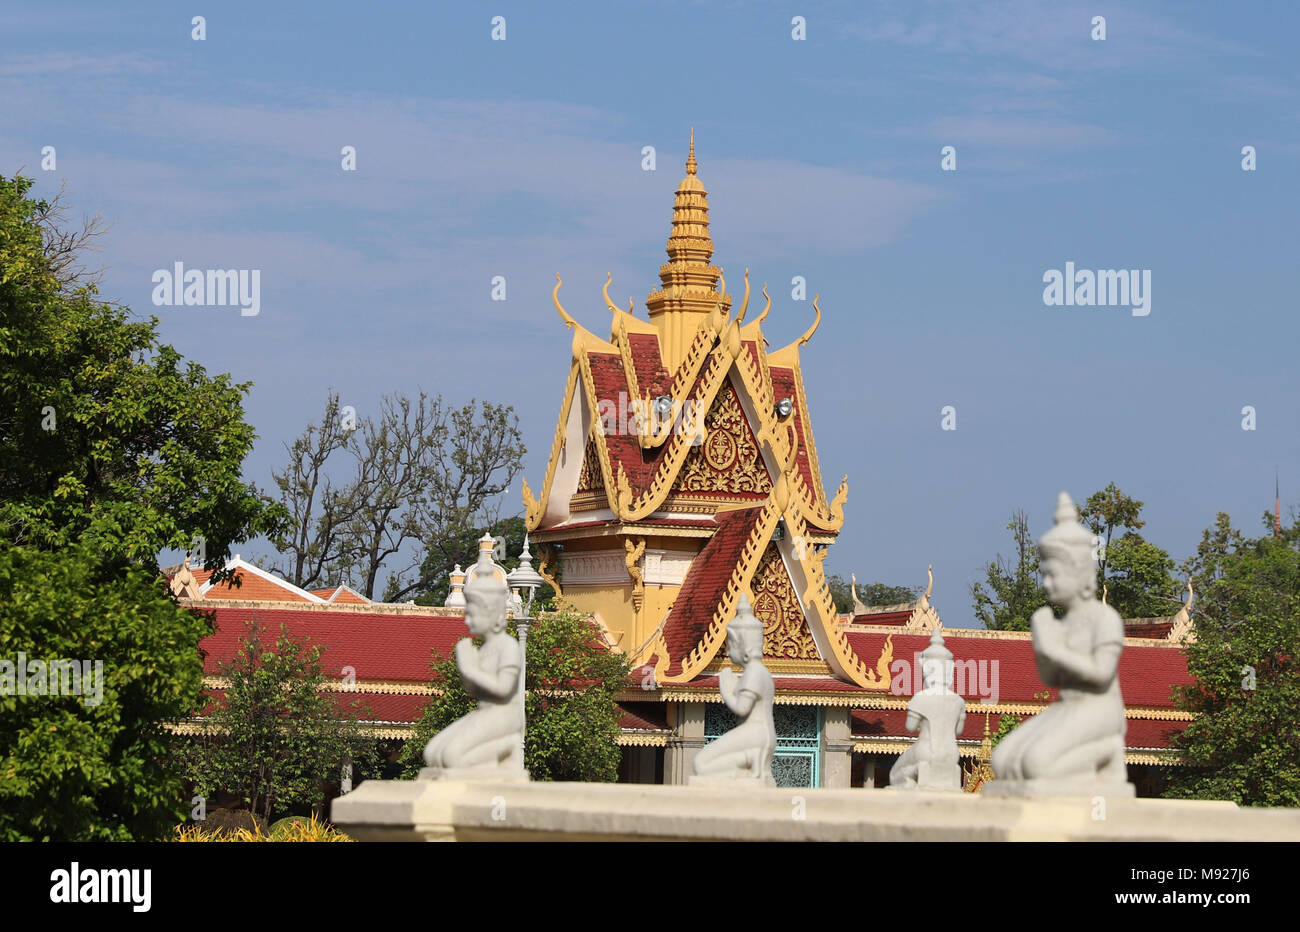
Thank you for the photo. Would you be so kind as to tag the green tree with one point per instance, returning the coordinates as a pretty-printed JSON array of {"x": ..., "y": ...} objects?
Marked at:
[
  {"x": 1134, "y": 574},
  {"x": 105, "y": 433},
  {"x": 876, "y": 593},
  {"x": 112, "y": 449},
  {"x": 1104, "y": 513},
  {"x": 572, "y": 717},
  {"x": 92, "y": 768},
  {"x": 1011, "y": 590},
  {"x": 278, "y": 739},
  {"x": 1139, "y": 583},
  {"x": 1244, "y": 744}
]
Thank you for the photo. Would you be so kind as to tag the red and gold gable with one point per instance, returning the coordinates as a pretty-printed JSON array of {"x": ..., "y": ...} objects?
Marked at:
[{"x": 728, "y": 461}]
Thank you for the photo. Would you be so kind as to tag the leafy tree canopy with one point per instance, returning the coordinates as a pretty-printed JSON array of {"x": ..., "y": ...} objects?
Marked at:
[
  {"x": 87, "y": 767},
  {"x": 107, "y": 434},
  {"x": 1244, "y": 744},
  {"x": 876, "y": 593},
  {"x": 1011, "y": 590}
]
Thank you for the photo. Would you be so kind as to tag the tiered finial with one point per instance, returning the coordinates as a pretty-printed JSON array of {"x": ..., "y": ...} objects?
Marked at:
[{"x": 690, "y": 284}]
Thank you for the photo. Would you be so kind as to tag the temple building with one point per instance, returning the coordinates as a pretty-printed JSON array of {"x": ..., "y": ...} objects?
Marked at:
[{"x": 683, "y": 473}]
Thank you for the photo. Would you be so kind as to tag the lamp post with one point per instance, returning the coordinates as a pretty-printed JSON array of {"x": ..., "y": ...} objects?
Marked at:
[{"x": 524, "y": 576}]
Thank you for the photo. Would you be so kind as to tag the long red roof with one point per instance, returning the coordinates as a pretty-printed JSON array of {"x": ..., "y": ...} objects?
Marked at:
[
  {"x": 376, "y": 645},
  {"x": 705, "y": 582}
]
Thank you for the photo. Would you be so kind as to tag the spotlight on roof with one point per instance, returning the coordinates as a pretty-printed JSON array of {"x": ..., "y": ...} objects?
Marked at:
[
  {"x": 663, "y": 406},
  {"x": 784, "y": 407}
]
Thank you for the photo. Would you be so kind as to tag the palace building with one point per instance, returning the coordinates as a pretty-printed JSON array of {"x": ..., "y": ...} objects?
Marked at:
[{"x": 684, "y": 472}]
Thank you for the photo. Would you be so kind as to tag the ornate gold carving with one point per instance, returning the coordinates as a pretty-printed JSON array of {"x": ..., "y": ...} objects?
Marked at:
[
  {"x": 635, "y": 549},
  {"x": 728, "y": 460},
  {"x": 546, "y": 559},
  {"x": 591, "y": 478},
  {"x": 532, "y": 507},
  {"x": 721, "y": 451},
  {"x": 785, "y": 633}
]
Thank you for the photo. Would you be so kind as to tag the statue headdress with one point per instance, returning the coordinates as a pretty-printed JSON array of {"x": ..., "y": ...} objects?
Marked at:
[
  {"x": 1068, "y": 536},
  {"x": 745, "y": 625},
  {"x": 486, "y": 586},
  {"x": 937, "y": 652},
  {"x": 1068, "y": 539}
]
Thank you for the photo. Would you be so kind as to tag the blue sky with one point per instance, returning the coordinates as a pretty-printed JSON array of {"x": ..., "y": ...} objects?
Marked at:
[{"x": 522, "y": 158}]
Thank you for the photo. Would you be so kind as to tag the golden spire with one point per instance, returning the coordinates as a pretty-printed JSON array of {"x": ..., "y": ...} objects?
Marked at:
[{"x": 689, "y": 281}]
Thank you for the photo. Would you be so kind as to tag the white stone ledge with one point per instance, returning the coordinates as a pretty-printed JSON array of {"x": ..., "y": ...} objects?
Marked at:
[{"x": 484, "y": 810}]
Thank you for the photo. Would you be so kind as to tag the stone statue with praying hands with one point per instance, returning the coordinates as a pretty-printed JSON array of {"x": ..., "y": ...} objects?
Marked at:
[
  {"x": 486, "y": 743},
  {"x": 1075, "y": 746},
  {"x": 938, "y": 715},
  {"x": 743, "y": 756}
]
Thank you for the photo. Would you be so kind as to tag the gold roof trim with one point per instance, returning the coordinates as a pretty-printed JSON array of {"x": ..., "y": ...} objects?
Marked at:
[{"x": 641, "y": 740}]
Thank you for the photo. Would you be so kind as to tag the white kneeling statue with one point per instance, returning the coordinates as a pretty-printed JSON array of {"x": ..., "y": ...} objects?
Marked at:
[
  {"x": 938, "y": 715},
  {"x": 1074, "y": 747},
  {"x": 487, "y": 742},
  {"x": 743, "y": 756}
]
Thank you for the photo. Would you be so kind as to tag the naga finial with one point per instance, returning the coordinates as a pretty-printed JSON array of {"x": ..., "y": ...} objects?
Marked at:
[
  {"x": 817, "y": 322},
  {"x": 555, "y": 297},
  {"x": 767, "y": 307},
  {"x": 744, "y": 304},
  {"x": 609, "y": 280}
]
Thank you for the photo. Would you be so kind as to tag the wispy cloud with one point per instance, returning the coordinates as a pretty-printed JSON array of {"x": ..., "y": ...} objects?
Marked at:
[{"x": 77, "y": 65}]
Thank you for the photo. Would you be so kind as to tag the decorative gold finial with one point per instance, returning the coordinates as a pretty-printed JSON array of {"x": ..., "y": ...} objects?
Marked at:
[{"x": 690, "y": 283}]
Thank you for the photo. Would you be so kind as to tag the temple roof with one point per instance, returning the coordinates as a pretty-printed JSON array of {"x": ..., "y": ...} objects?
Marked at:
[
  {"x": 688, "y": 412},
  {"x": 634, "y": 403}
]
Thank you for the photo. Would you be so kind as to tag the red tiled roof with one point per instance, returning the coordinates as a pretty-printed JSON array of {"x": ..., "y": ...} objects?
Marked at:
[
  {"x": 883, "y": 618},
  {"x": 783, "y": 385},
  {"x": 651, "y": 376},
  {"x": 1156, "y": 630},
  {"x": 251, "y": 586},
  {"x": 1146, "y": 673},
  {"x": 378, "y": 646},
  {"x": 643, "y": 716},
  {"x": 344, "y": 595},
  {"x": 609, "y": 380},
  {"x": 705, "y": 582}
]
